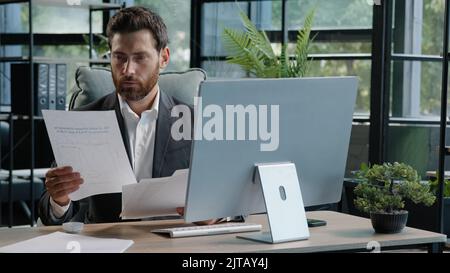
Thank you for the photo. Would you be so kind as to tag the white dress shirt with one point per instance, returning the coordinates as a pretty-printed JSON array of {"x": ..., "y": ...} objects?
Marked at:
[{"x": 141, "y": 136}]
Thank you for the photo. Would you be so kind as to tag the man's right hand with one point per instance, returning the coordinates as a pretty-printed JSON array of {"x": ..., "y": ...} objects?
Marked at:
[{"x": 60, "y": 182}]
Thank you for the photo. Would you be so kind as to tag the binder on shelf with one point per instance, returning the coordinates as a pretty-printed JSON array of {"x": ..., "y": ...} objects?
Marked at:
[
  {"x": 49, "y": 88},
  {"x": 41, "y": 73},
  {"x": 61, "y": 86}
]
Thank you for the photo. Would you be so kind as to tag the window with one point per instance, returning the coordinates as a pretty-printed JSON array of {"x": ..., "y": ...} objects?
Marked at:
[
  {"x": 61, "y": 19},
  {"x": 331, "y": 14},
  {"x": 415, "y": 87},
  {"x": 176, "y": 15},
  {"x": 416, "y": 84},
  {"x": 342, "y": 45},
  {"x": 359, "y": 68},
  {"x": 50, "y": 19}
]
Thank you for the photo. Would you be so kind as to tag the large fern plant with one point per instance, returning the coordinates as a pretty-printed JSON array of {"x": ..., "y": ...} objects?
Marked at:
[{"x": 251, "y": 49}]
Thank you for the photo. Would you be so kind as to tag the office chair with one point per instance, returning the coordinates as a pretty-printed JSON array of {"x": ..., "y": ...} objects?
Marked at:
[{"x": 92, "y": 83}]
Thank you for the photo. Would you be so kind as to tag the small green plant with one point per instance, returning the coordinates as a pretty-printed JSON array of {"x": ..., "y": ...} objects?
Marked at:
[
  {"x": 384, "y": 188},
  {"x": 253, "y": 52}
]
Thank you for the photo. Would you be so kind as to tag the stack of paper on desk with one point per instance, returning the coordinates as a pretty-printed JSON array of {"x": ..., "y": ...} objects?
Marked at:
[
  {"x": 155, "y": 196},
  {"x": 60, "y": 242}
]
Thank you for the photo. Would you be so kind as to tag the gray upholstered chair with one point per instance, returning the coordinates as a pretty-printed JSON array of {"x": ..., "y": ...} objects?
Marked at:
[{"x": 92, "y": 83}]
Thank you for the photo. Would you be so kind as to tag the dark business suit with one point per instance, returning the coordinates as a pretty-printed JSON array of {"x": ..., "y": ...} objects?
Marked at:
[{"x": 169, "y": 156}]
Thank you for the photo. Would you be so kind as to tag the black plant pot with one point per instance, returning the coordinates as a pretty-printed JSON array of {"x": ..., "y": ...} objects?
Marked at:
[{"x": 389, "y": 222}]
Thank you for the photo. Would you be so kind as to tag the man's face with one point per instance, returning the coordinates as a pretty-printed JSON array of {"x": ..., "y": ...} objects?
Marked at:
[{"x": 135, "y": 63}]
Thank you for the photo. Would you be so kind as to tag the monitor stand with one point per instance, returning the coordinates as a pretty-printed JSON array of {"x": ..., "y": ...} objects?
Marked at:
[{"x": 284, "y": 204}]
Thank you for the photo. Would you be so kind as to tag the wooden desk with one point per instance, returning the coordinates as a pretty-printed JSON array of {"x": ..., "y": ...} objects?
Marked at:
[{"x": 342, "y": 233}]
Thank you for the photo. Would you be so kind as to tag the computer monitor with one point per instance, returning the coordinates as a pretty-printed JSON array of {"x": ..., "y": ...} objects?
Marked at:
[{"x": 305, "y": 121}]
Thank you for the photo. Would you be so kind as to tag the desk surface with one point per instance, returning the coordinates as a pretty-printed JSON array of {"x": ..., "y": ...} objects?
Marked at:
[{"x": 342, "y": 232}]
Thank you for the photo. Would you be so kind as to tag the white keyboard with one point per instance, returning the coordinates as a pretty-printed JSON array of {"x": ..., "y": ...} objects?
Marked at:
[{"x": 208, "y": 229}]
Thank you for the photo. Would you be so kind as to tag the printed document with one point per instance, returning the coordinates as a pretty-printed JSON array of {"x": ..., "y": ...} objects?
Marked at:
[
  {"x": 155, "y": 196},
  {"x": 61, "y": 242},
  {"x": 90, "y": 142}
]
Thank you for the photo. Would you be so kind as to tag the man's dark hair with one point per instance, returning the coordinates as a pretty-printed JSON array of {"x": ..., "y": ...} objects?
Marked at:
[{"x": 138, "y": 18}]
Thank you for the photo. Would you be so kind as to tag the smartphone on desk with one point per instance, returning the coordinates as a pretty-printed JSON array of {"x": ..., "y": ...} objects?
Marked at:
[{"x": 316, "y": 222}]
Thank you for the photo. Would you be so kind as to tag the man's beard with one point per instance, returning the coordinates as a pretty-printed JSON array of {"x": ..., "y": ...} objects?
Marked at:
[{"x": 136, "y": 92}]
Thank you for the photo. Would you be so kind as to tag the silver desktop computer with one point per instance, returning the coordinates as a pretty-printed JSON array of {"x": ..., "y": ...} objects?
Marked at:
[{"x": 270, "y": 145}]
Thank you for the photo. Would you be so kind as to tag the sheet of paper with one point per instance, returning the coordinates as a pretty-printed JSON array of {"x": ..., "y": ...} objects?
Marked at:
[
  {"x": 90, "y": 142},
  {"x": 61, "y": 242},
  {"x": 155, "y": 196}
]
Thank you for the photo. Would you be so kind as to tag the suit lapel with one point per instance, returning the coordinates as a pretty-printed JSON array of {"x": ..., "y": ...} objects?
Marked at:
[
  {"x": 162, "y": 138},
  {"x": 123, "y": 132}
]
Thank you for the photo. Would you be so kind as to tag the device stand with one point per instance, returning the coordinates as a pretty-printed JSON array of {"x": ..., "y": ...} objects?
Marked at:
[{"x": 284, "y": 204}]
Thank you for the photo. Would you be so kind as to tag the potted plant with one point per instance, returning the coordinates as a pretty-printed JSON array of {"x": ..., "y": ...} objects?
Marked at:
[
  {"x": 252, "y": 50},
  {"x": 382, "y": 192}
]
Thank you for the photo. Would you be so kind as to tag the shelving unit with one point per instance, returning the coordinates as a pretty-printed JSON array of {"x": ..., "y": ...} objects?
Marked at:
[{"x": 31, "y": 59}]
